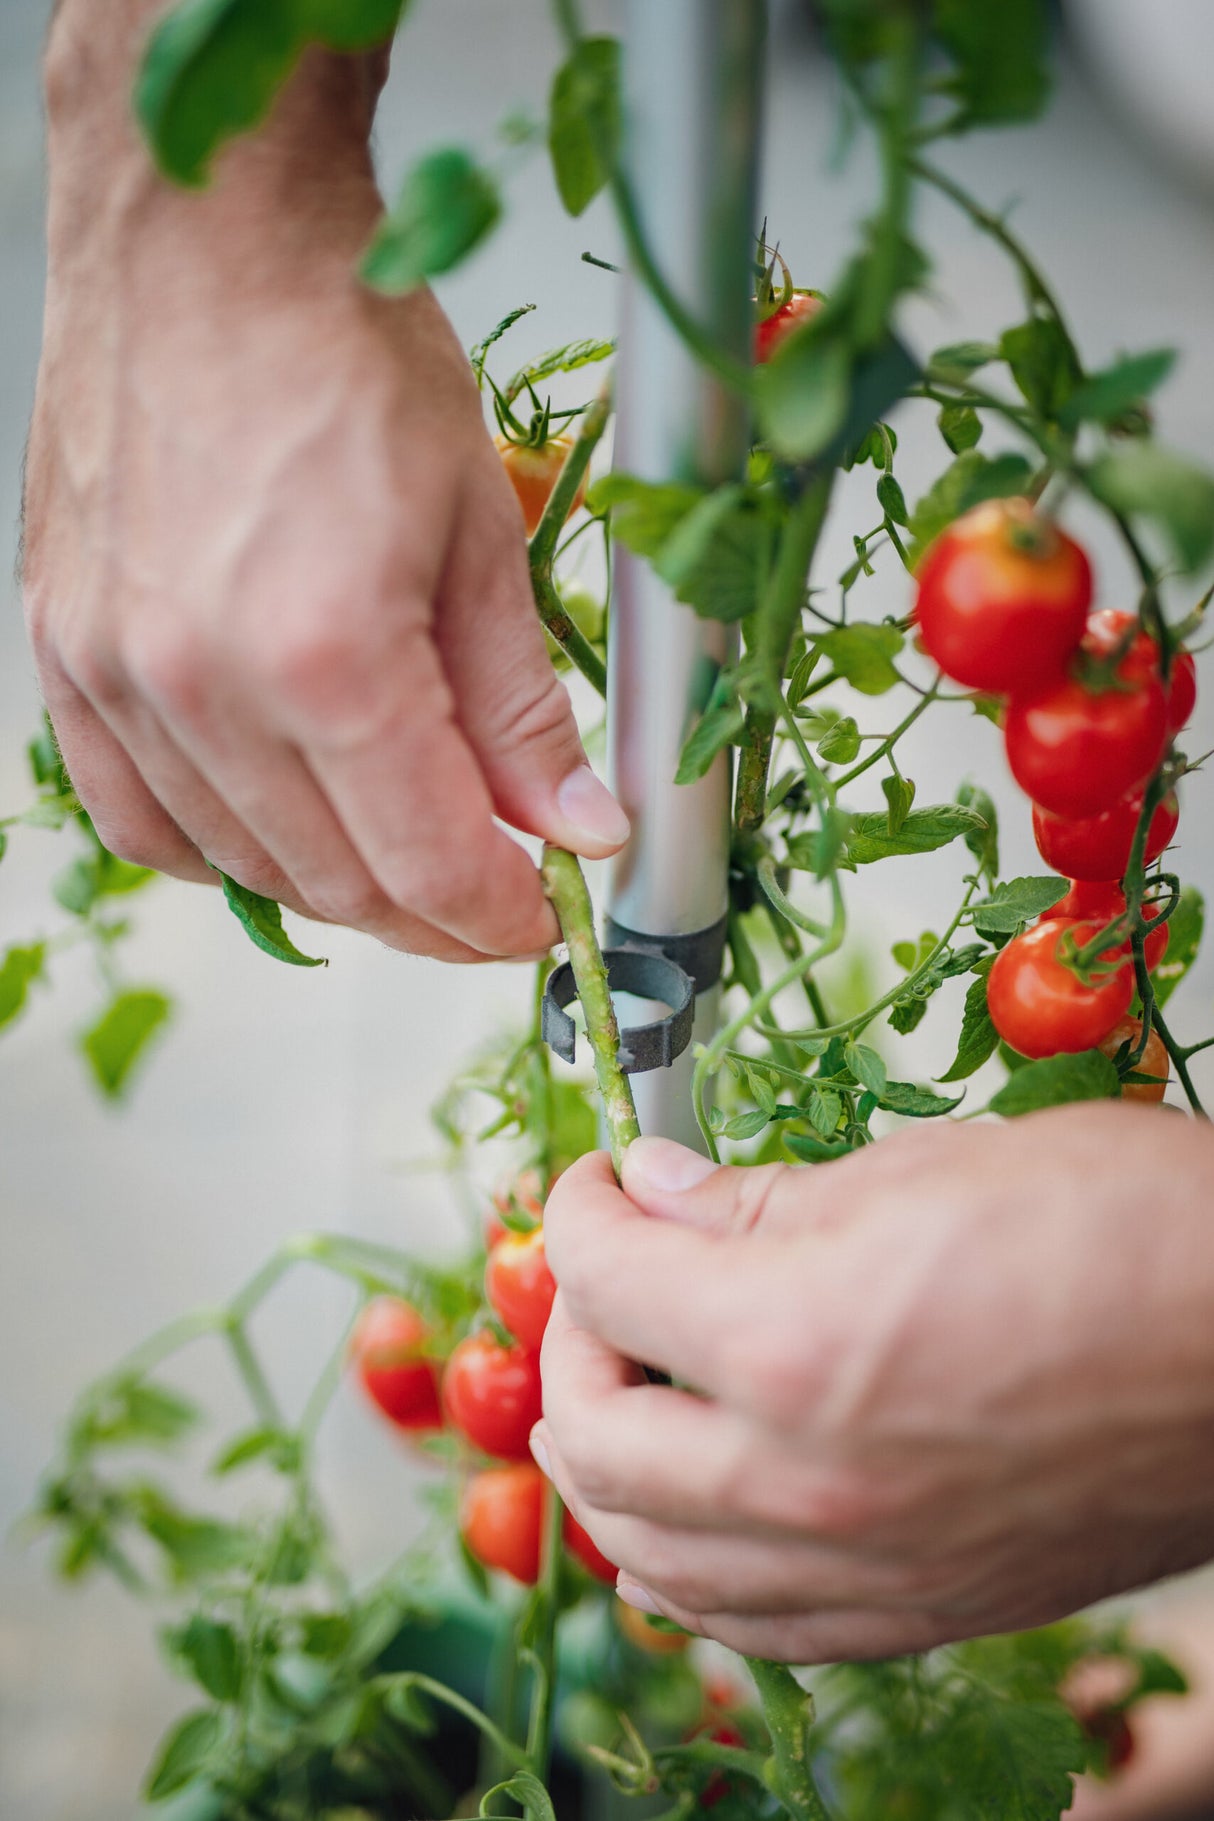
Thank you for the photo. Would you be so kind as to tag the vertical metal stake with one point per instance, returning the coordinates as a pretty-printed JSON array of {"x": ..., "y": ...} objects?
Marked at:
[{"x": 692, "y": 85}]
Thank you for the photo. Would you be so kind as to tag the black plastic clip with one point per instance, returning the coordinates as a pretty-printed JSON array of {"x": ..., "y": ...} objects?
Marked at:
[{"x": 646, "y": 975}]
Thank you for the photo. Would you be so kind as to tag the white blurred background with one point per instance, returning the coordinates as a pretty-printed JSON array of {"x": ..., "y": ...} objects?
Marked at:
[{"x": 283, "y": 1100}]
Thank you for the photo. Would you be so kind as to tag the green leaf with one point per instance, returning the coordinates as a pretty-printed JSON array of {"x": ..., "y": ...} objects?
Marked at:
[
  {"x": 982, "y": 842},
  {"x": 960, "y": 359},
  {"x": 261, "y": 919},
  {"x": 211, "y": 70},
  {"x": 890, "y": 499},
  {"x": 863, "y": 655},
  {"x": 1174, "y": 494},
  {"x": 521, "y": 1787},
  {"x": 324, "y": 1634},
  {"x": 184, "y": 1753},
  {"x": 1157, "y": 1675},
  {"x": 349, "y": 25},
  {"x": 98, "y": 875},
  {"x": 817, "y": 851},
  {"x": 196, "y": 1547},
  {"x": 803, "y": 393},
  {"x": 584, "y": 121},
  {"x": 1016, "y": 902},
  {"x": 968, "y": 481},
  {"x": 814, "y": 1150},
  {"x": 978, "y": 1036},
  {"x": 211, "y": 1652},
  {"x": 1056, "y": 1081},
  {"x": 824, "y": 1110},
  {"x": 899, "y": 794},
  {"x": 1185, "y": 927},
  {"x": 1042, "y": 363},
  {"x": 644, "y": 514},
  {"x": 1106, "y": 396},
  {"x": 52, "y": 812},
  {"x": 1001, "y": 53},
  {"x": 717, "y": 555},
  {"x": 719, "y": 726},
  {"x": 447, "y": 206},
  {"x": 907, "y": 1014},
  {"x": 745, "y": 1125},
  {"x": 915, "y": 1103},
  {"x": 574, "y": 355},
  {"x": 276, "y": 1446},
  {"x": 480, "y": 352},
  {"x": 120, "y": 1036},
  {"x": 960, "y": 426},
  {"x": 840, "y": 744},
  {"x": 869, "y": 839},
  {"x": 46, "y": 762},
  {"x": 133, "y": 1410},
  {"x": 19, "y": 969},
  {"x": 866, "y": 1066}
]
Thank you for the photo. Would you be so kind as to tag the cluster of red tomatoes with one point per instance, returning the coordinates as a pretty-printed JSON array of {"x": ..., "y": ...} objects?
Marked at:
[
  {"x": 1004, "y": 606},
  {"x": 487, "y": 1392}
]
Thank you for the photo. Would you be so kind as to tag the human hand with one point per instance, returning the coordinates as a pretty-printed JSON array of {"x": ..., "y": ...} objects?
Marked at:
[
  {"x": 276, "y": 581},
  {"x": 957, "y": 1384}
]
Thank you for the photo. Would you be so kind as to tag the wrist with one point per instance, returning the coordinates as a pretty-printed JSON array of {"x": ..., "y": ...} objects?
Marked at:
[{"x": 310, "y": 158}]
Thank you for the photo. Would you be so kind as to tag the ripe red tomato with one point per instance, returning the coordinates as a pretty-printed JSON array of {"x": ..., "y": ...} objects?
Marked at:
[
  {"x": 801, "y": 307},
  {"x": 1077, "y": 750},
  {"x": 1098, "y": 847},
  {"x": 533, "y": 471},
  {"x": 1106, "y": 630},
  {"x": 1153, "y": 1061},
  {"x": 492, "y": 1395},
  {"x": 581, "y": 1544},
  {"x": 1098, "y": 902},
  {"x": 501, "y": 1519},
  {"x": 520, "y": 1287},
  {"x": 387, "y": 1352},
  {"x": 1003, "y": 598},
  {"x": 1040, "y": 1007}
]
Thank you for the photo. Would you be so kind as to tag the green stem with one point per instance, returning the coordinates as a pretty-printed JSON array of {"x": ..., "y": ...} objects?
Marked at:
[
  {"x": 890, "y": 741},
  {"x": 565, "y": 886},
  {"x": 788, "y": 1711},
  {"x": 513, "y": 1754},
  {"x": 542, "y": 549},
  {"x": 776, "y": 621},
  {"x": 539, "y": 1738},
  {"x": 255, "y": 1381}
]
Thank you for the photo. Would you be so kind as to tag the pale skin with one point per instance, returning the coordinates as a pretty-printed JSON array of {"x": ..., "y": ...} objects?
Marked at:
[
  {"x": 275, "y": 579},
  {"x": 278, "y": 598}
]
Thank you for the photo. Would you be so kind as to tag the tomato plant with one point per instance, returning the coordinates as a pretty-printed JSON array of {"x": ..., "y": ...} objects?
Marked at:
[
  {"x": 1003, "y": 597},
  {"x": 817, "y": 698}
]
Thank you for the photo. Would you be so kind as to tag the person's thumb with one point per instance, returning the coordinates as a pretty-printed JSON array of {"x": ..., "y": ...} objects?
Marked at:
[{"x": 670, "y": 1182}]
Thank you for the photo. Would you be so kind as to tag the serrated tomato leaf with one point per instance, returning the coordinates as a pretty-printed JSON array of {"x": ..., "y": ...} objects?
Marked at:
[
  {"x": 1056, "y": 1081},
  {"x": 447, "y": 205},
  {"x": 261, "y": 919}
]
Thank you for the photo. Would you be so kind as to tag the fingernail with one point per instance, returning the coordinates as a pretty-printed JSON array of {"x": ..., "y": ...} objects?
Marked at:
[
  {"x": 589, "y": 806},
  {"x": 661, "y": 1164},
  {"x": 540, "y": 1454},
  {"x": 633, "y": 1594}
]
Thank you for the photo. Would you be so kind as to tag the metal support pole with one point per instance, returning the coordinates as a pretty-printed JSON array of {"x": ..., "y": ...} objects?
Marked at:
[{"x": 692, "y": 82}]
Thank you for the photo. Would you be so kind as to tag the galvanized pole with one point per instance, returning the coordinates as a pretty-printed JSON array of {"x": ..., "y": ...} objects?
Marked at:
[{"x": 692, "y": 86}]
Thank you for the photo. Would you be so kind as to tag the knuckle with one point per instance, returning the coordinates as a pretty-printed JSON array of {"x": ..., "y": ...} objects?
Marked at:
[
  {"x": 771, "y": 1367},
  {"x": 140, "y": 840},
  {"x": 322, "y": 673},
  {"x": 353, "y": 901}
]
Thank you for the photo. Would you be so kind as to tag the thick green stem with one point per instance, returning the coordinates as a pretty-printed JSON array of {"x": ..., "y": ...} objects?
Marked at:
[
  {"x": 788, "y": 1711},
  {"x": 776, "y": 620},
  {"x": 564, "y": 884},
  {"x": 542, "y": 549}
]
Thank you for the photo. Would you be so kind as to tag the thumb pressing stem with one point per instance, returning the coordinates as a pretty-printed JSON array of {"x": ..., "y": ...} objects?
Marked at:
[{"x": 566, "y": 887}]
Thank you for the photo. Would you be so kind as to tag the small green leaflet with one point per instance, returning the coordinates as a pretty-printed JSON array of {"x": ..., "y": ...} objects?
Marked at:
[
  {"x": 478, "y": 354},
  {"x": 261, "y": 919},
  {"x": 19, "y": 969},
  {"x": 276, "y": 1447},
  {"x": 978, "y": 1036},
  {"x": 863, "y": 655},
  {"x": 891, "y": 500},
  {"x": 983, "y": 842},
  {"x": 1042, "y": 363},
  {"x": 132, "y": 1410},
  {"x": 1056, "y": 1081},
  {"x": 960, "y": 426},
  {"x": 184, "y": 1753},
  {"x": 643, "y": 513},
  {"x": 961, "y": 358},
  {"x": 720, "y": 724},
  {"x": 521, "y": 1787},
  {"x": 100, "y": 874},
  {"x": 866, "y": 1066},
  {"x": 1174, "y": 494},
  {"x": 584, "y": 121},
  {"x": 1016, "y": 902},
  {"x": 869, "y": 838},
  {"x": 814, "y": 1150},
  {"x": 840, "y": 744},
  {"x": 1001, "y": 57},
  {"x": 1185, "y": 927},
  {"x": 915, "y": 1103},
  {"x": 716, "y": 556},
  {"x": 447, "y": 206},
  {"x": 966, "y": 482},
  {"x": 569, "y": 359},
  {"x": 210, "y": 1652},
  {"x": 120, "y": 1036},
  {"x": 899, "y": 794},
  {"x": 1106, "y": 396}
]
